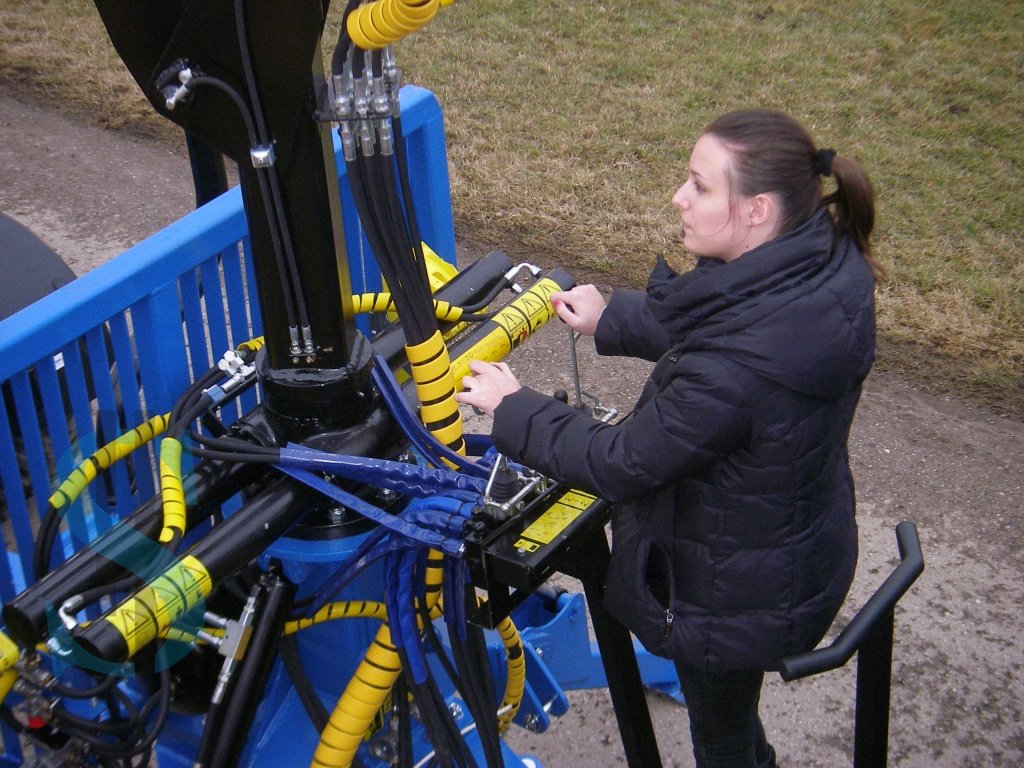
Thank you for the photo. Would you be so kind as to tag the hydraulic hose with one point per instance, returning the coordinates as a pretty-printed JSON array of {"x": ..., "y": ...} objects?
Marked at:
[
  {"x": 252, "y": 674},
  {"x": 344, "y": 609},
  {"x": 412, "y": 427},
  {"x": 412, "y": 479},
  {"x": 172, "y": 491}
]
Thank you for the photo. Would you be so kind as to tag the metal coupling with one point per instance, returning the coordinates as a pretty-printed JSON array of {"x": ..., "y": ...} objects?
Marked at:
[
  {"x": 386, "y": 137},
  {"x": 293, "y": 336},
  {"x": 360, "y": 97},
  {"x": 238, "y": 371},
  {"x": 262, "y": 157},
  {"x": 510, "y": 276},
  {"x": 185, "y": 77},
  {"x": 67, "y": 609},
  {"x": 380, "y": 102},
  {"x": 366, "y": 142},
  {"x": 308, "y": 345},
  {"x": 389, "y": 67},
  {"x": 341, "y": 85},
  {"x": 348, "y": 141},
  {"x": 234, "y": 644}
]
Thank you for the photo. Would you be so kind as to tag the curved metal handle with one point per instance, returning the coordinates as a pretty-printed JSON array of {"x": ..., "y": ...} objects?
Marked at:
[{"x": 878, "y": 605}]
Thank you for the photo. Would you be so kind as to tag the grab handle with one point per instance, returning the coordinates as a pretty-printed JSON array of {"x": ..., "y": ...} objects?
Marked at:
[{"x": 878, "y": 606}]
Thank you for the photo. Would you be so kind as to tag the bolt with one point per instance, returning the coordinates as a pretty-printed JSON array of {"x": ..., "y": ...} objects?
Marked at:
[{"x": 455, "y": 709}]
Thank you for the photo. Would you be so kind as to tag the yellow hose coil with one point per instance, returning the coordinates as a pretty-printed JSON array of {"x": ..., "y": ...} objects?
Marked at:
[
  {"x": 76, "y": 482},
  {"x": 172, "y": 490},
  {"x": 515, "y": 682},
  {"x": 345, "y": 609},
  {"x": 382, "y": 302},
  {"x": 253, "y": 345},
  {"x": 435, "y": 388},
  {"x": 380, "y": 23},
  {"x": 368, "y": 689}
]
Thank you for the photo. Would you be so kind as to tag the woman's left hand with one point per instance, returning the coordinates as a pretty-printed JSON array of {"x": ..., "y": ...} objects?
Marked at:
[{"x": 488, "y": 385}]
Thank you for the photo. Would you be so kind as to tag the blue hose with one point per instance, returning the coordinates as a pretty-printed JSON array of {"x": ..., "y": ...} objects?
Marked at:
[
  {"x": 411, "y": 479},
  {"x": 418, "y": 435},
  {"x": 426, "y": 537}
]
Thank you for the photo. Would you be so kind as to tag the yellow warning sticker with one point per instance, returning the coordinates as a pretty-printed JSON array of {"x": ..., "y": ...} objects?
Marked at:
[{"x": 556, "y": 519}]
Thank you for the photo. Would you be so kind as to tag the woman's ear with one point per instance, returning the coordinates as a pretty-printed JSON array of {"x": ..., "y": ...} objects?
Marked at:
[{"x": 763, "y": 210}]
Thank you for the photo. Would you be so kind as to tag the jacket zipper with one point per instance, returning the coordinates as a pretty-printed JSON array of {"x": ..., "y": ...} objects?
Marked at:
[{"x": 669, "y": 618}]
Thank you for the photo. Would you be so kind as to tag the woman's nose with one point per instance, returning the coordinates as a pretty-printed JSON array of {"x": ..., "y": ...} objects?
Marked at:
[{"x": 678, "y": 199}]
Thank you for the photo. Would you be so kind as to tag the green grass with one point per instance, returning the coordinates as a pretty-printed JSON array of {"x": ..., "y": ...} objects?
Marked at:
[{"x": 569, "y": 124}]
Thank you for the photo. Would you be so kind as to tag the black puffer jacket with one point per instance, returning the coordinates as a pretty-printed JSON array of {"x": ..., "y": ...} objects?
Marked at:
[{"x": 735, "y": 456}]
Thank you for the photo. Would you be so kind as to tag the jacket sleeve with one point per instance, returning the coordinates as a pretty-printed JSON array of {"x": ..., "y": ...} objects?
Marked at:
[
  {"x": 627, "y": 327},
  {"x": 698, "y": 417}
]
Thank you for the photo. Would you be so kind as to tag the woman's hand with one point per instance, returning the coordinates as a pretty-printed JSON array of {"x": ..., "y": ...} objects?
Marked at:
[
  {"x": 488, "y": 385},
  {"x": 579, "y": 308}
]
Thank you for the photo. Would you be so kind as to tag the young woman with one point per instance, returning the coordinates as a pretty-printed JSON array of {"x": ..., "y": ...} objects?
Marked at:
[{"x": 734, "y": 540}]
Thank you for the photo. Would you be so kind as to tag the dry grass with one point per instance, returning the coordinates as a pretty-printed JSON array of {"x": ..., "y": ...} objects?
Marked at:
[{"x": 569, "y": 123}]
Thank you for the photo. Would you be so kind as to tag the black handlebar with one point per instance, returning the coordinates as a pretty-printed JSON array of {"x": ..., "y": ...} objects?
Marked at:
[{"x": 878, "y": 605}]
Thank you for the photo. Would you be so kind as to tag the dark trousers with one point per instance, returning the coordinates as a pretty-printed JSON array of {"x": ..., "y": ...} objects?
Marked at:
[{"x": 724, "y": 724}]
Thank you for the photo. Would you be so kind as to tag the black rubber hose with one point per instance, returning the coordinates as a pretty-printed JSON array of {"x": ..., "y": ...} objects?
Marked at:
[{"x": 315, "y": 708}]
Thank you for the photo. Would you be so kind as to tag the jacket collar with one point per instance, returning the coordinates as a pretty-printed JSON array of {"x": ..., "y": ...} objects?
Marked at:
[{"x": 715, "y": 289}]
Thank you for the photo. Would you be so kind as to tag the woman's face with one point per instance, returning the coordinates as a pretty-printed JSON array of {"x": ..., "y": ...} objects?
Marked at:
[{"x": 711, "y": 214}]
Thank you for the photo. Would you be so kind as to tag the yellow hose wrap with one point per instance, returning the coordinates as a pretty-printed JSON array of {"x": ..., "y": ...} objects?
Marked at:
[
  {"x": 172, "y": 491},
  {"x": 435, "y": 388},
  {"x": 345, "y": 609},
  {"x": 380, "y": 23},
  {"x": 382, "y": 302},
  {"x": 76, "y": 482},
  {"x": 515, "y": 682},
  {"x": 368, "y": 689},
  {"x": 253, "y": 345}
]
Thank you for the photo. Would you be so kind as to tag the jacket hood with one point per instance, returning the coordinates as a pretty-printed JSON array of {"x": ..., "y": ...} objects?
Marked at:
[{"x": 796, "y": 310}]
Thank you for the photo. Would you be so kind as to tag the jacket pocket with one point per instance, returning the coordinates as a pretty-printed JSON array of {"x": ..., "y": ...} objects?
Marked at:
[
  {"x": 660, "y": 582},
  {"x": 640, "y": 586}
]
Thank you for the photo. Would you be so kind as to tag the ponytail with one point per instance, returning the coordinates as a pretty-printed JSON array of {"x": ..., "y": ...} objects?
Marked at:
[{"x": 852, "y": 206}]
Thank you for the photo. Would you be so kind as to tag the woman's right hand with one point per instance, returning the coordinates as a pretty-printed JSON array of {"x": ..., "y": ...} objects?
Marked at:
[{"x": 579, "y": 308}]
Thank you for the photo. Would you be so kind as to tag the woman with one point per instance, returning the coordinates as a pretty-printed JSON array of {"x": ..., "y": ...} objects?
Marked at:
[{"x": 734, "y": 540}]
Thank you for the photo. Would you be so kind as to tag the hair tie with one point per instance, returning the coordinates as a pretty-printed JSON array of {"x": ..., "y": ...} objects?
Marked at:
[{"x": 823, "y": 162}]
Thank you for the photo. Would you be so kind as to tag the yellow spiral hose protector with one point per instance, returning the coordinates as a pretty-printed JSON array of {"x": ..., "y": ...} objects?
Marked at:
[
  {"x": 380, "y": 23},
  {"x": 80, "y": 477},
  {"x": 435, "y": 389},
  {"x": 368, "y": 689},
  {"x": 172, "y": 490},
  {"x": 363, "y": 303}
]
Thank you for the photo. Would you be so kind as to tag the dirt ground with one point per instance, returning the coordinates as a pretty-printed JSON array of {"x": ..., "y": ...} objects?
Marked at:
[{"x": 955, "y": 469}]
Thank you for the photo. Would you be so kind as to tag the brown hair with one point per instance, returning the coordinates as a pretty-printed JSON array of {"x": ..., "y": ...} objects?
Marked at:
[{"x": 773, "y": 153}]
